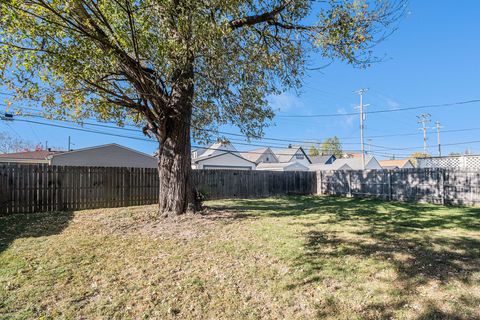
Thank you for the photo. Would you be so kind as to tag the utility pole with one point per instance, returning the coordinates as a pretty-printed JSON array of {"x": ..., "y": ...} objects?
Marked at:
[
  {"x": 46, "y": 145},
  {"x": 438, "y": 127},
  {"x": 369, "y": 146},
  {"x": 69, "y": 144},
  {"x": 362, "y": 126},
  {"x": 424, "y": 118}
]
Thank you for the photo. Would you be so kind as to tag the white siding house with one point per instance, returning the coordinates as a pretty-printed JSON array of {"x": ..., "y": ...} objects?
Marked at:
[
  {"x": 328, "y": 167},
  {"x": 220, "y": 155},
  {"x": 356, "y": 163},
  {"x": 348, "y": 164},
  {"x": 262, "y": 155},
  {"x": 292, "y": 154},
  {"x": 227, "y": 160},
  {"x": 109, "y": 155},
  {"x": 223, "y": 155},
  {"x": 285, "y": 166}
]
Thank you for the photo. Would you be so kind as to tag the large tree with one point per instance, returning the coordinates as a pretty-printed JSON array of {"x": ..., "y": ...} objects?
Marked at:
[{"x": 178, "y": 68}]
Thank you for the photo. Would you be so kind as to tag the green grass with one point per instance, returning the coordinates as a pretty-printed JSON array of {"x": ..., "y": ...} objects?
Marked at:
[{"x": 278, "y": 258}]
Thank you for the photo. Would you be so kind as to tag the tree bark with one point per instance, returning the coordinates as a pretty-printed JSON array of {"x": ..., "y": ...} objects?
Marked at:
[{"x": 177, "y": 194}]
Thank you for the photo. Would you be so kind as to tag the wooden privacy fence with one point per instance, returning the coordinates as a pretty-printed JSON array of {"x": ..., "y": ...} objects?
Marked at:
[
  {"x": 41, "y": 188},
  {"x": 223, "y": 184},
  {"x": 438, "y": 186}
]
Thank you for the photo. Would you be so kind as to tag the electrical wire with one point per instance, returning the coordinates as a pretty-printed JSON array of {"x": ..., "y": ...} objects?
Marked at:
[{"x": 382, "y": 111}]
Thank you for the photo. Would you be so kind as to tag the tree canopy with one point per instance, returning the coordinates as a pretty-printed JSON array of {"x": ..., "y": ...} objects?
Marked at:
[
  {"x": 312, "y": 151},
  {"x": 332, "y": 146},
  {"x": 123, "y": 59}
]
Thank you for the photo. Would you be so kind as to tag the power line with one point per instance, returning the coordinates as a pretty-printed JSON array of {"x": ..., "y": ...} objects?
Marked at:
[
  {"x": 249, "y": 144},
  {"x": 374, "y": 152},
  {"x": 252, "y": 152},
  {"x": 140, "y": 139},
  {"x": 305, "y": 141},
  {"x": 382, "y": 111},
  {"x": 137, "y": 130}
]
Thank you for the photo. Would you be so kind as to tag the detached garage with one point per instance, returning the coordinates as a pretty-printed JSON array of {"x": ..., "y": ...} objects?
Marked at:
[
  {"x": 223, "y": 160},
  {"x": 109, "y": 155}
]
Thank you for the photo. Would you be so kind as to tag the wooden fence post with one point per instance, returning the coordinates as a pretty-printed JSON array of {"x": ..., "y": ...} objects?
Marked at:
[
  {"x": 320, "y": 182},
  {"x": 389, "y": 179},
  {"x": 349, "y": 183},
  {"x": 442, "y": 185}
]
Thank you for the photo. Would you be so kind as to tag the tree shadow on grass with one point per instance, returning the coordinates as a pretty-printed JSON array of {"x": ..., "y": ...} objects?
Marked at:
[
  {"x": 386, "y": 216},
  {"x": 419, "y": 241},
  {"x": 17, "y": 226},
  {"x": 412, "y": 238}
]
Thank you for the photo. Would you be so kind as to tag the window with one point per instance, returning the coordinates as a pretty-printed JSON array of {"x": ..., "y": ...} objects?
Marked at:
[
  {"x": 267, "y": 159},
  {"x": 299, "y": 156}
]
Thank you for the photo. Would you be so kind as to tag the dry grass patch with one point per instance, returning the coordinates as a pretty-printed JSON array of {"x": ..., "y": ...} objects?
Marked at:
[{"x": 291, "y": 258}]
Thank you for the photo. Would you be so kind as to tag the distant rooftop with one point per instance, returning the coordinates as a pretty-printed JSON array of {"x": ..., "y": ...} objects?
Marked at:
[{"x": 30, "y": 155}]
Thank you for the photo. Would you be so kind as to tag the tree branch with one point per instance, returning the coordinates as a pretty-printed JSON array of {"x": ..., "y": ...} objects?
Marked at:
[{"x": 259, "y": 18}]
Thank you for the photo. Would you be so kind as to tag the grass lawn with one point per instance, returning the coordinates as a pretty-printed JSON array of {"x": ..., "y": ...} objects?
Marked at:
[{"x": 278, "y": 258}]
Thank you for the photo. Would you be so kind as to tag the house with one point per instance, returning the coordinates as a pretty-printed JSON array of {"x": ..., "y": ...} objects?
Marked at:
[
  {"x": 223, "y": 155},
  {"x": 282, "y": 166},
  {"x": 28, "y": 157},
  {"x": 396, "y": 164},
  {"x": 356, "y": 163},
  {"x": 326, "y": 159},
  {"x": 292, "y": 154},
  {"x": 349, "y": 164},
  {"x": 351, "y": 154},
  {"x": 262, "y": 155},
  {"x": 220, "y": 155},
  {"x": 109, "y": 155},
  {"x": 329, "y": 167}
]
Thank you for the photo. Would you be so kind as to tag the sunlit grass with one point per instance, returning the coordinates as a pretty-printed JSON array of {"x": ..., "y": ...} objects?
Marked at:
[{"x": 290, "y": 258}]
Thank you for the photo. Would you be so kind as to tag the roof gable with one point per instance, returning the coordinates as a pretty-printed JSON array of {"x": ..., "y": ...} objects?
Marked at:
[
  {"x": 207, "y": 157},
  {"x": 103, "y": 146},
  {"x": 400, "y": 163},
  {"x": 287, "y": 154},
  {"x": 255, "y": 155},
  {"x": 321, "y": 159}
]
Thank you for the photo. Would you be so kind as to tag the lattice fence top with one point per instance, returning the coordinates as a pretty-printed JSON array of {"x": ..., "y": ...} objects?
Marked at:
[
  {"x": 472, "y": 162},
  {"x": 454, "y": 162}
]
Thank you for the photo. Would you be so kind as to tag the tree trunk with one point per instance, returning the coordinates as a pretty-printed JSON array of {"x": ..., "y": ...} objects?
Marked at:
[{"x": 177, "y": 193}]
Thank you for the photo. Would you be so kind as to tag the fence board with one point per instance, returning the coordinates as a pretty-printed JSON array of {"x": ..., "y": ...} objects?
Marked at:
[
  {"x": 41, "y": 188},
  {"x": 35, "y": 188},
  {"x": 432, "y": 185}
]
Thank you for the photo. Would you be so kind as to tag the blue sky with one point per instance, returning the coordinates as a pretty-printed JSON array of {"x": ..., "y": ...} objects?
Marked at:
[{"x": 433, "y": 58}]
